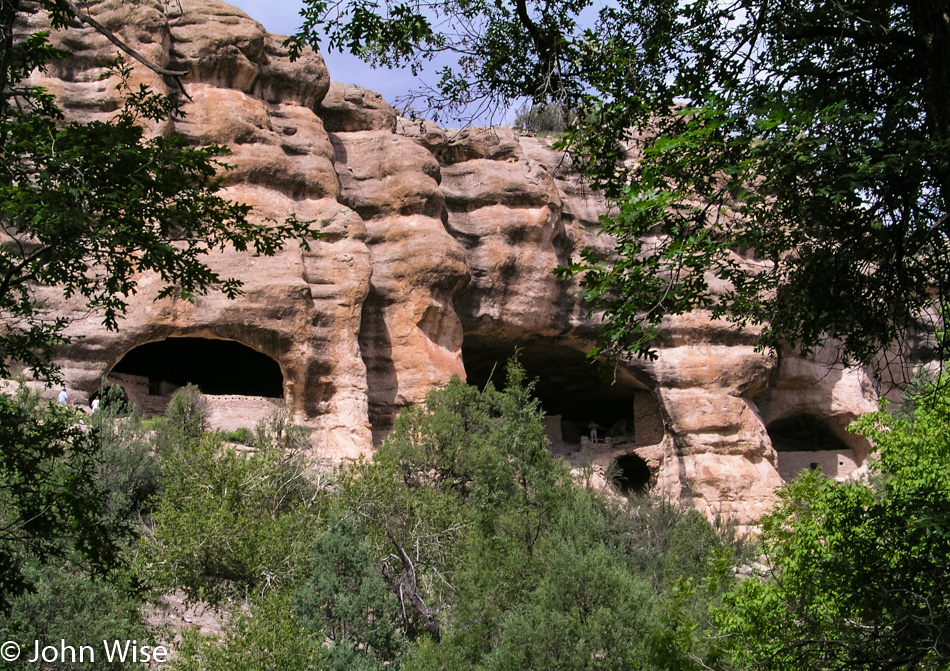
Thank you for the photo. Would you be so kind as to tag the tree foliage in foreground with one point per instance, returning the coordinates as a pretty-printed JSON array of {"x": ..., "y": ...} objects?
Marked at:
[
  {"x": 495, "y": 558},
  {"x": 814, "y": 135},
  {"x": 466, "y": 545},
  {"x": 228, "y": 524},
  {"x": 85, "y": 210},
  {"x": 858, "y": 572},
  {"x": 51, "y": 503}
]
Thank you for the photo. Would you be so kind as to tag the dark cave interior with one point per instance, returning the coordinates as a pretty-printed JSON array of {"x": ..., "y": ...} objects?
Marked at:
[
  {"x": 803, "y": 433},
  {"x": 215, "y": 366},
  {"x": 567, "y": 382},
  {"x": 630, "y": 474}
]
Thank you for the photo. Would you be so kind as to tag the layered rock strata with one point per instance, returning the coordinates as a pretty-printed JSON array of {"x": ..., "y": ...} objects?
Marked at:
[{"x": 437, "y": 260}]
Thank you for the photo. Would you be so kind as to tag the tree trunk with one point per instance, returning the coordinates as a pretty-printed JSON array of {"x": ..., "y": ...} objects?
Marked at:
[{"x": 932, "y": 25}]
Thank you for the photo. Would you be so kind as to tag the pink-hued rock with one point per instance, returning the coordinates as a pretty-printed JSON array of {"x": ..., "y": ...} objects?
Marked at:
[
  {"x": 438, "y": 258},
  {"x": 411, "y": 337},
  {"x": 347, "y": 108}
]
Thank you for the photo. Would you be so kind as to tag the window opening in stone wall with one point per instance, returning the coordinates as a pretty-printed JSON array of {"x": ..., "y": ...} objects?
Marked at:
[{"x": 215, "y": 366}]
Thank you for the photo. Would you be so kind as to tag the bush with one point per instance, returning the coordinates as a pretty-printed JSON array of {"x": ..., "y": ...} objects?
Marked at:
[
  {"x": 242, "y": 435},
  {"x": 51, "y": 504},
  {"x": 127, "y": 469},
  {"x": 79, "y": 609},
  {"x": 347, "y": 602},
  {"x": 187, "y": 412},
  {"x": 279, "y": 432},
  {"x": 264, "y": 637},
  {"x": 496, "y": 558},
  {"x": 231, "y": 525},
  {"x": 113, "y": 399},
  {"x": 857, "y": 571}
]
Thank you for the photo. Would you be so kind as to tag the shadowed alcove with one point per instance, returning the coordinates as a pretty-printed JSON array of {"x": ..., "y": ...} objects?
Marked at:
[
  {"x": 630, "y": 474},
  {"x": 806, "y": 441},
  {"x": 567, "y": 383},
  {"x": 215, "y": 366}
]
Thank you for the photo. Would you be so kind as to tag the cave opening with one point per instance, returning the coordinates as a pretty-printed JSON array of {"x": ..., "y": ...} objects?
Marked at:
[
  {"x": 215, "y": 366},
  {"x": 806, "y": 441},
  {"x": 630, "y": 474},
  {"x": 567, "y": 384},
  {"x": 803, "y": 433}
]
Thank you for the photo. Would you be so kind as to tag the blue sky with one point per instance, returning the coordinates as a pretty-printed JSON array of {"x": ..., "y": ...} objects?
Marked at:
[{"x": 282, "y": 17}]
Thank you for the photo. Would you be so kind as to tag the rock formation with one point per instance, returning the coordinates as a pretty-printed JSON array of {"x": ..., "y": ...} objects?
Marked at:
[{"x": 437, "y": 261}]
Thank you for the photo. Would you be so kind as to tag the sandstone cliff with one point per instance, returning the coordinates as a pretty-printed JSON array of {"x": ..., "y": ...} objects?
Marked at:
[{"x": 437, "y": 260}]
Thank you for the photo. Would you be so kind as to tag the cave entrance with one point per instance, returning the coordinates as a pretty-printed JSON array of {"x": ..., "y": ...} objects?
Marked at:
[
  {"x": 215, "y": 366},
  {"x": 630, "y": 474},
  {"x": 572, "y": 390},
  {"x": 805, "y": 441}
]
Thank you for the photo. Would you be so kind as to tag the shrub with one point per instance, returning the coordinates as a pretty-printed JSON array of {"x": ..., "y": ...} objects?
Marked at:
[
  {"x": 79, "y": 609},
  {"x": 231, "y": 525},
  {"x": 242, "y": 435},
  {"x": 279, "y": 432},
  {"x": 187, "y": 412},
  {"x": 127, "y": 469}
]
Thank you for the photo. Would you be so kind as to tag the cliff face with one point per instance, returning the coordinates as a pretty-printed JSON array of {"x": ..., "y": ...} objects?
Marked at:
[{"x": 437, "y": 260}]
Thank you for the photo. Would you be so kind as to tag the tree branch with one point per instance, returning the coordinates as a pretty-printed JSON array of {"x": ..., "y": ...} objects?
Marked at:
[
  {"x": 805, "y": 32},
  {"x": 109, "y": 35}
]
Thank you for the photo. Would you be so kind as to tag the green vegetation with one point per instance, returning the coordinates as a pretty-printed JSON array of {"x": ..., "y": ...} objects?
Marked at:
[
  {"x": 815, "y": 135},
  {"x": 85, "y": 209},
  {"x": 861, "y": 569},
  {"x": 51, "y": 504},
  {"x": 229, "y": 524},
  {"x": 464, "y": 545},
  {"x": 242, "y": 435}
]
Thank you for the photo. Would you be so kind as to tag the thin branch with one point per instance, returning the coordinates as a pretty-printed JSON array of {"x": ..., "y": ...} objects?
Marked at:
[{"x": 109, "y": 35}]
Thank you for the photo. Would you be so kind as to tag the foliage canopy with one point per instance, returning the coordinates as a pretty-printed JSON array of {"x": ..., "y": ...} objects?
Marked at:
[{"x": 51, "y": 504}]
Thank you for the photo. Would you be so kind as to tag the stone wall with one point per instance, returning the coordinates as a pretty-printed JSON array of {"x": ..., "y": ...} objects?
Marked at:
[{"x": 837, "y": 464}]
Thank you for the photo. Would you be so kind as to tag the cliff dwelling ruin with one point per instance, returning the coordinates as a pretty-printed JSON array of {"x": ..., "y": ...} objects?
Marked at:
[
  {"x": 574, "y": 391},
  {"x": 437, "y": 259},
  {"x": 805, "y": 441},
  {"x": 241, "y": 384}
]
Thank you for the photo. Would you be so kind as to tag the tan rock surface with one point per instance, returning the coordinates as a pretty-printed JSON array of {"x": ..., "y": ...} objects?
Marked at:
[{"x": 438, "y": 259}]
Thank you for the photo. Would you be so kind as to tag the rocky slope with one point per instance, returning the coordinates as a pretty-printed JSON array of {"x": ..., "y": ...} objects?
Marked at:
[{"x": 437, "y": 261}]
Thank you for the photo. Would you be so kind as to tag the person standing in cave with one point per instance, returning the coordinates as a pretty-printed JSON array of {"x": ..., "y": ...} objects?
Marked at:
[{"x": 593, "y": 426}]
